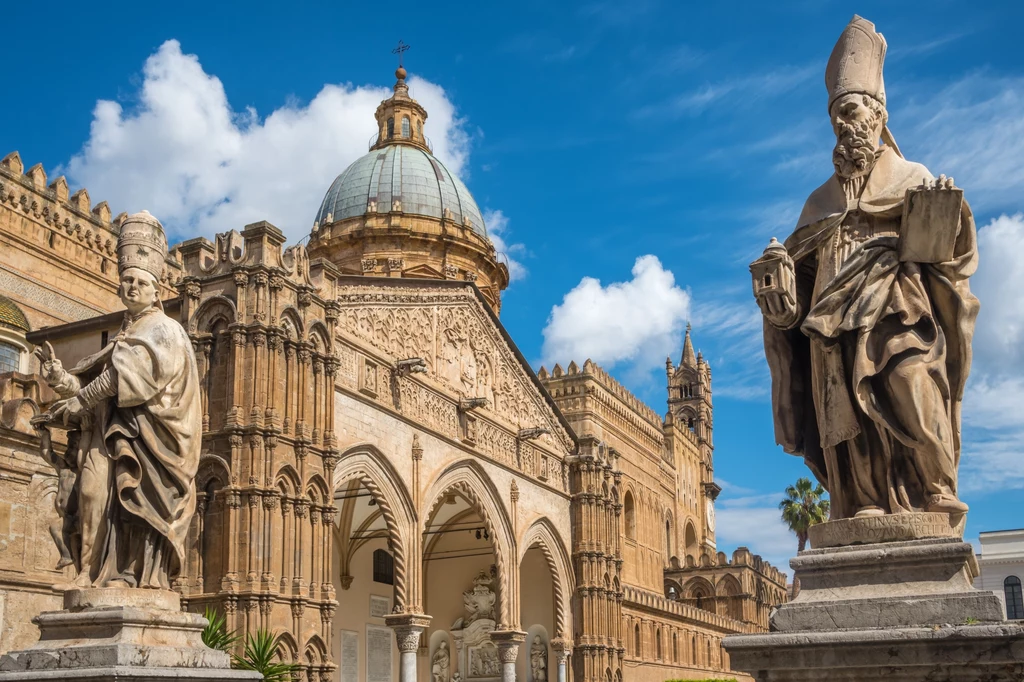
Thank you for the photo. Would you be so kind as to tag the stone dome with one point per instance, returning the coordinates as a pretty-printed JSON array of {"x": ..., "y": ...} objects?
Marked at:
[
  {"x": 12, "y": 317},
  {"x": 400, "y": 177}
]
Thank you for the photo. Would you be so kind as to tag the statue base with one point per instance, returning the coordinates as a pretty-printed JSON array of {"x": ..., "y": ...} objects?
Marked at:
[
  {"x": 904, "y": 610},
  {"x": 120, "y": 634}
]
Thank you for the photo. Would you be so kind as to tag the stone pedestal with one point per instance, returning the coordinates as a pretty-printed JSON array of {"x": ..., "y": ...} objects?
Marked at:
[
  {"x": 120, "y": 634},
  {"x": 899, "y": 605}
]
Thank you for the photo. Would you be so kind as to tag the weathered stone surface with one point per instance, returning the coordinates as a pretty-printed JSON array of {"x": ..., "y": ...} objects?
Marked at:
[
  {"x": 965, "y": 653},
  {"x": 897, "y": 584},
  {"x": 887, "y": 528},
  {"x": 96, "y": 638}
]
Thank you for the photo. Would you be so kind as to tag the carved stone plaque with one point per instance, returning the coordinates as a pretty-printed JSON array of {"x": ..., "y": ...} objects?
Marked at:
[
  {"x": 379, "y": 606},
  {"x": 378, "y": 654},
  {"x": 349, "y": 663}
]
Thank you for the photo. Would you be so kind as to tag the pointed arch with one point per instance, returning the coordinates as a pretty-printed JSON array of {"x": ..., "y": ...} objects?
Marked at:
[
  {"x": 469, "y": 478},
  {"x": 287, "y": 480},
  {"x": 287, "y": 647},
  {"x": 368, "y": 465},
  {"x": 212, "y": 467},
  {"x": 319, "y": 330},
  {"x": 294, "y": 320},
  {"x": 211, "y": 311},
  {"x": 543, "y": 535}
]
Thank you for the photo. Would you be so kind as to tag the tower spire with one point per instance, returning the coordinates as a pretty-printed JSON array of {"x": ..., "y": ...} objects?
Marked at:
[{"x": 689, "y": 359}]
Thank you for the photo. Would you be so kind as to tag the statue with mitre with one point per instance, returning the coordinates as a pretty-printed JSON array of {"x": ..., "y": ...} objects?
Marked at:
[
  {"x": 868, "y": 315},
  {"x": 134, "y": 414}
]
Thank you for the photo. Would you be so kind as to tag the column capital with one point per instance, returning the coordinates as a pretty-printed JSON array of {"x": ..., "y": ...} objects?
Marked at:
[
  {"x": 561, "y": 647},
  {"x": 508, "y": 643},
  {"x": 408, "y": 627}
]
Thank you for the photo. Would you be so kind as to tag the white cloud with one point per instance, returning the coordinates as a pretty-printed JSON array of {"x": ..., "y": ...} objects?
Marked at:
[
  {"x": 497, "y": 230},
  {"x": 993, "y": 456},
  {"x": 639, "y": 321},
  {"x": 184, "y": 153}
]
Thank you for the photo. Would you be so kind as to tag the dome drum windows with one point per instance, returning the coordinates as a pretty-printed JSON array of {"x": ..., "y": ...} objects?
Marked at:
[
  {"x": 406, "y": 127},
  {"x": 391, "y": 129}
]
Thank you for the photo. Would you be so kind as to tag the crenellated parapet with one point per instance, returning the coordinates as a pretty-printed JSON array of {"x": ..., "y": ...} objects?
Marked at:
[
  {"x": 53, "y": 237},
  {"x": 591, "y": 389}
]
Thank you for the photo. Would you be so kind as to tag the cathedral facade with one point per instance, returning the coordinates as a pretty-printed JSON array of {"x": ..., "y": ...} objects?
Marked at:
[{"x": 385, "y": 482}]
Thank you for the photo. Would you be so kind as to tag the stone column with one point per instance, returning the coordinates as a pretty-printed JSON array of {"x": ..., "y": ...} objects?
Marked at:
[
  {"x": 508, "y": 643},
  {"x": 408, "y": 627},
  {"x": 561, "y": 649}
]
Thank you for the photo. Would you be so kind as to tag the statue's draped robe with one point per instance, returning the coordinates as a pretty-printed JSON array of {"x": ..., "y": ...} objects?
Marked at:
[
  {"x": 867, "y": 385},
  {"x": 145, "y": 443}
]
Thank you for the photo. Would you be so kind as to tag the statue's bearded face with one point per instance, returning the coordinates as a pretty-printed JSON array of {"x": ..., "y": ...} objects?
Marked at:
[
  {"x": 138, "y": 290},
  {"x": 857, "y": 121}
]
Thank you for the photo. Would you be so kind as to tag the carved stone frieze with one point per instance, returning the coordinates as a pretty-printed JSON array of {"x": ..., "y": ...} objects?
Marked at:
[{"x": 462, "y": 349}]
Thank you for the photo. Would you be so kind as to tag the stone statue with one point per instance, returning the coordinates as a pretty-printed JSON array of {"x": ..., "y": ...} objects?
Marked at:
[
  {"x": 440, "y": 664},
  {"x": 868, "y": 315},
  {"x": 539, "y": 660},
  {"x": 134, "y": 414},
  {"x": 479, "y": 602}
]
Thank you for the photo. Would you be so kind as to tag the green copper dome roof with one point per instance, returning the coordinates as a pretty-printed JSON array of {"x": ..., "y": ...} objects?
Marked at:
[
  {"x": 12, "y": 317},
  {"x": 405, "y": 173}
]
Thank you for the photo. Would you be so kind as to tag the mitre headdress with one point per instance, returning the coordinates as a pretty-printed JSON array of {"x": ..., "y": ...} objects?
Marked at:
[
  {"x": 856, "y": 62},
  {"x": 142, "y": 244}
]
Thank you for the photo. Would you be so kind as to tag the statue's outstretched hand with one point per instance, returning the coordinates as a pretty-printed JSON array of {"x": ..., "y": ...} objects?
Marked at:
[{"x": 66, "y": 409}]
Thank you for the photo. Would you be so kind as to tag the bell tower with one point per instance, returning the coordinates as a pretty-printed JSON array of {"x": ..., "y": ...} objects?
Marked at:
[{"x": 689, "y": 392}]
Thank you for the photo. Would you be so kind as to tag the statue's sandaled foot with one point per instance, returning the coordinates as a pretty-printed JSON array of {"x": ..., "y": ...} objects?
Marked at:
[
  {"x": 869, "y": 511},
  {"x": 64, "y": 561},
  {"x": 946, "y": 503}
]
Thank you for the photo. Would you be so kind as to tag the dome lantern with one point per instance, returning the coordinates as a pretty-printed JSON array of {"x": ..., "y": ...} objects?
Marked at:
[{"x": 399, "y": 212}]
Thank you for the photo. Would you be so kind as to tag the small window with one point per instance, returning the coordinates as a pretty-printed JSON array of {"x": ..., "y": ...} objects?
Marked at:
[
  {"x": 383, "y": 567},
  {"x": 1014, "y": 598},
  {"x": 104, "y": 339},
  {"x": 629, "y": 513},
  {"x": 419, "y": 129},
  {"x": 10, "y": 358},
  {"x": 637, "y": 651},
  {"x": 406, "y": 129},
  {"x": 391, "y": 128}
]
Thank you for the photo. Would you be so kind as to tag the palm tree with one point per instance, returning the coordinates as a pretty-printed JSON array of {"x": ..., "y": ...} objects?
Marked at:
[{"x": 804, "y": 506}]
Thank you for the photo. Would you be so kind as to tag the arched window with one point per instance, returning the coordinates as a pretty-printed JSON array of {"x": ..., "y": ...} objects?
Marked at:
[
  {"x": 406, "y": 128},
  {"x": 391, "y": 128},
  {"x": 383, "y": 567},
  {"x": 675, "y": 647},
  {"x": 636, "y": 641},
  {"x": 1014, "y": 599},
  {"x": 10, "y": 358},
  {"x": 419, "y": 129},
  {"x": 629, "y": 513},
  {"x": 657, "y": 643},
  {"x": 668, "y": 540}
]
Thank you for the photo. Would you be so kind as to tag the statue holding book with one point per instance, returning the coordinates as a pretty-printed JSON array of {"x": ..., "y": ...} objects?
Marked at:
[{"x": 868, "y": 314}]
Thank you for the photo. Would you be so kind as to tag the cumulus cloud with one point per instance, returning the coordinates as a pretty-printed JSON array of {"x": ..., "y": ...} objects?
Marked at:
[
  {"x": 993, "y": 455},
  {"x": 638, "y": 322},
  {"x": 497, "y": 230},
  {"x": 182, "y": 151}
]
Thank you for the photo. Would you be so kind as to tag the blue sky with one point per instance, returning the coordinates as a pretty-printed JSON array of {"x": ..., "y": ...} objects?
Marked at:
[{"x": 632, "y": 159}]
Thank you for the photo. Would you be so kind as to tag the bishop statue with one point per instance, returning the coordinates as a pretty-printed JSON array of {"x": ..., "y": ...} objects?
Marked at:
[{"x": 868, "y": 314}]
